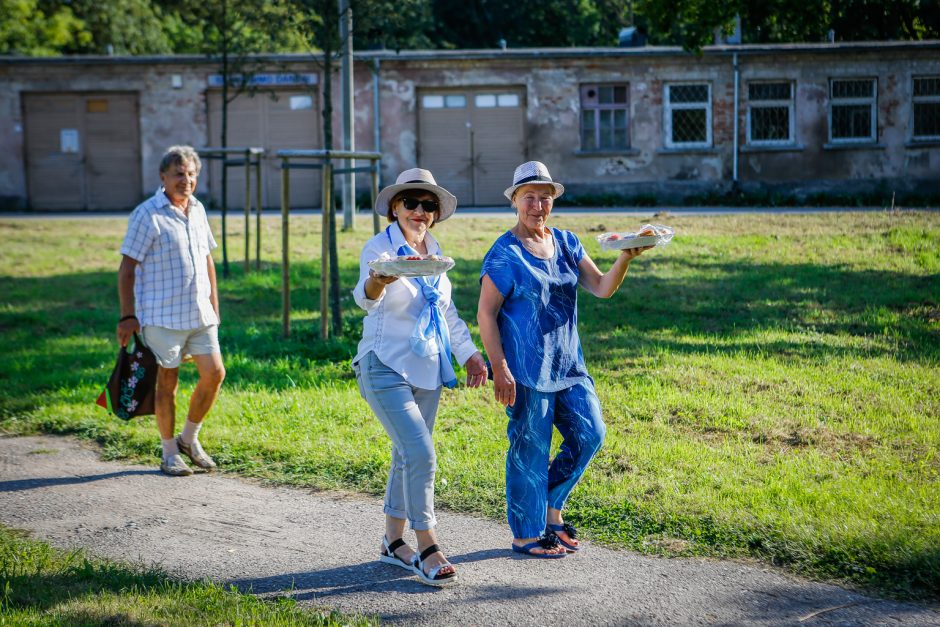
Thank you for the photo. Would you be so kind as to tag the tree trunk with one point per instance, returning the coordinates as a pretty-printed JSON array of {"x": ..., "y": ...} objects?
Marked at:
[{"x": 335, "y": 311}]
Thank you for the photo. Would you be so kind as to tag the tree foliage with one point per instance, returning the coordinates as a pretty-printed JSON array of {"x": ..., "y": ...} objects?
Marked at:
[
  {"x": 525, "y": 24},
  {"x": 30, "y": 30},
  {"x": 692, "y": 23},
  {"x": 49, "y": 27}
]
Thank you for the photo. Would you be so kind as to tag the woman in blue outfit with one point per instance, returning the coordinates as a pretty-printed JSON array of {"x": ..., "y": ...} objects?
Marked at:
[
  {"x": 528, "y": 319},
  {"x": 410, "y": 330}
]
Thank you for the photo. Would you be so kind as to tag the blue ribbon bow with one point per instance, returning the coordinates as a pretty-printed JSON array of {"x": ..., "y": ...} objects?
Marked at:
[{"x": 431, "y": 335}]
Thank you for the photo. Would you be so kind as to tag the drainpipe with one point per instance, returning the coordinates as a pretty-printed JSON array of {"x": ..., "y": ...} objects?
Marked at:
[
  {"x": 376, "y": 114},
  {"x": 737, "y": 82}
]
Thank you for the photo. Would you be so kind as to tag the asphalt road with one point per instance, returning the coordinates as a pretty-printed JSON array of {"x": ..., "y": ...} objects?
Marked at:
[{"x": 321, "y": 548}]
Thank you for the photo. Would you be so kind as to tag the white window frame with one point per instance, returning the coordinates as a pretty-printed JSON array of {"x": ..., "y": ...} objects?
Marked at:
[
  {"x": 871, "y": 101},
  {"x": 447, "y": 101},
  {"x": 501, "y": 100},
  {"x": 916, "y": 100},
  {"x": 669, "y": 107},
  {"x": 790, "y": 104}
]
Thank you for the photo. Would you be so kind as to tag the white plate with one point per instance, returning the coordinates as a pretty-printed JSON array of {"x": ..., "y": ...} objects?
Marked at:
[
  {"x": 412, "y": 267},
  {"x": 623, "y": 241}
]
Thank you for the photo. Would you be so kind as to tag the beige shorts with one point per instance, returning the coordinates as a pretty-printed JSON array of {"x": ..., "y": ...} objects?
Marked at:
[{"x": 171, "y": 346}]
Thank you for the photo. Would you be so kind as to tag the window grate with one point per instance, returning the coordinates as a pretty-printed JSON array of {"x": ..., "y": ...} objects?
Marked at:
[
  {"x": 688, "y": 115},
  {"x": 852, "y": 115},
  {"x": 689, "y": 126},
  {"x": 926, "y": 108},
  {"x": 770, "y": 113}
]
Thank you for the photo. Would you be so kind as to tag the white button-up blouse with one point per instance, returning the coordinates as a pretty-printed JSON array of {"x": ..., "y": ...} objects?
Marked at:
[{"x": 390, "y": 319}]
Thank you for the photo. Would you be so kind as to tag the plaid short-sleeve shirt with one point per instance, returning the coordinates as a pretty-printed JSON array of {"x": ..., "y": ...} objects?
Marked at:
[{"x": 171, "y": 285}]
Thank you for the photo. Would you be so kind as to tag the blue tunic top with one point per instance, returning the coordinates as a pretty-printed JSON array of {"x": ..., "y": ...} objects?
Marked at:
[{"x": 538, "y": 322}]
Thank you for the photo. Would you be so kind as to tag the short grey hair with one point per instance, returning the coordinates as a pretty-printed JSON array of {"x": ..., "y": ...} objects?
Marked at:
[{"x": 177, "y": 155}]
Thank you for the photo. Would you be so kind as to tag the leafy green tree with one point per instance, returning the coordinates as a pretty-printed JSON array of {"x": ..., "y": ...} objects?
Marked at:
[
  {"x": 234, "y": 32},
  {"x": 692, "y": 23},
  {"x": 376, "y": 23},
  {"x": 28, "y": 29},
  {"x": 527, "y": 24},
  {"x": 126, "y": 27}
]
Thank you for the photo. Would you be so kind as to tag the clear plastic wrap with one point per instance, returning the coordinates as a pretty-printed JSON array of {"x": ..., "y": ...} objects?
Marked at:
[
  {"x": 411, "y": 265},
  {"x": 649, "y": 235}
]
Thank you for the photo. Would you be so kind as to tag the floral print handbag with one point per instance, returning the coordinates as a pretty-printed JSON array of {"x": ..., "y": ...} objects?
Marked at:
[{"x": 130, "y": 391}]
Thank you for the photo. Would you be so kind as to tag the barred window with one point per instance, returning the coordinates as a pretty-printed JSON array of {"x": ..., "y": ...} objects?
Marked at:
[
  {"x": 605, "y": 115},
  {"x": 926, "y": 105},
  {"x": 852, "y": 114},
  {"x": 770, "y": 113},
  {"x": 688, "y": 115}
]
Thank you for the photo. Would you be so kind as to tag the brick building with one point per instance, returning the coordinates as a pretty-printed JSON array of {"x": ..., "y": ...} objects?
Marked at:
[{"x": 88, "y": 132}]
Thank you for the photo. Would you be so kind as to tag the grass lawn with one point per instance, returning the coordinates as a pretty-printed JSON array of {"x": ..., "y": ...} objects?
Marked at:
[
  {"x": 40, "y": 585},
  {"x": 771, "y": 383}
]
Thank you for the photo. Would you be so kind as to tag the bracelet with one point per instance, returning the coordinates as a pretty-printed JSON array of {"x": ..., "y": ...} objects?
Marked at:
[{"x": 127, "y": 318}]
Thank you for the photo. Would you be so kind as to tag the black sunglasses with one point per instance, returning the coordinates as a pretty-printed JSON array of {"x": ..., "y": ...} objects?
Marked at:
[{"x": 430, "y": 206}]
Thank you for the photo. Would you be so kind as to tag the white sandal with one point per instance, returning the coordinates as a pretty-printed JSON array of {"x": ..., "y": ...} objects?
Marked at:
[
  {"x": 388, "y": 553},
  {"x": 433, "y": 577}
]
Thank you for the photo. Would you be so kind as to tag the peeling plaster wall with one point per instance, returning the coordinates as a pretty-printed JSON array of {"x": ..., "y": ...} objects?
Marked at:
[
  {"x": 648, "y": 167},
  {"x": 551, "y": 84}
]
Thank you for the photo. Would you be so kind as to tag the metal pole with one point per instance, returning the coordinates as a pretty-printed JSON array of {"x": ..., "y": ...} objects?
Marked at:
[
  {"x": 247, "y": 210},
  {"x": 285, "y": 255},
  {"x": 349, "y": 123},
  {"x": 258, "y": 201},
  {"x": 375, "y": 194},
  {"x": 377, "y": 139},
  {"x": 734, "y": 159},
  {"x": 325, "y": 250}
]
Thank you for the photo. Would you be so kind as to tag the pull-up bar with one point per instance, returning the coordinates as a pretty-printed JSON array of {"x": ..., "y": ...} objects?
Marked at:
[
  {"x": 250, "y": 157},
  {"x": 327, "y": 156}
]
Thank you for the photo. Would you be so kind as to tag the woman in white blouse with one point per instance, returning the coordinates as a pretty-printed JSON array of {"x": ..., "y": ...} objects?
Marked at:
[{"x": 404, "y": 359}]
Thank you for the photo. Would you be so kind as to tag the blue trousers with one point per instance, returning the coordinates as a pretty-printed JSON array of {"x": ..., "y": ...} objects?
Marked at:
[{"x": 532, "y": 485}]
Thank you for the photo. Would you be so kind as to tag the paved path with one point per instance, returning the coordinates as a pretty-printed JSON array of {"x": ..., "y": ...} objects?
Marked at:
[{"x": 321, "y": 547}]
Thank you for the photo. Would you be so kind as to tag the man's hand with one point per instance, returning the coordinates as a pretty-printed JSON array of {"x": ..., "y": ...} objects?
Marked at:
[{"x": 126, "y": 329}]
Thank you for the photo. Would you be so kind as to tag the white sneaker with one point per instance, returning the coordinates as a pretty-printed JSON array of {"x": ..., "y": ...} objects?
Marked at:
[
  {"x": 195, "y": 453},
  {"x": 175, "y": 466}
]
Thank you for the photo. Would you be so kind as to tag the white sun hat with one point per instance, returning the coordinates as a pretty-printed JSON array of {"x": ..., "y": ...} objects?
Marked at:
[
  {"x": 417, "y": 178},
  {"x": 532, "y": 173}
]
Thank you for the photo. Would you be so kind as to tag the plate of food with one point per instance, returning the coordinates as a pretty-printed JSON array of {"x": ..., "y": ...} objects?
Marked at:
[
  {"x": 649, "y": 235},
  {"x": 411, "y": 265}
]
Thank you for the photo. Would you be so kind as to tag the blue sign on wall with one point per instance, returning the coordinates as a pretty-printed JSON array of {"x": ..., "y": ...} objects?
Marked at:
[{"x": 266, "y": 79}]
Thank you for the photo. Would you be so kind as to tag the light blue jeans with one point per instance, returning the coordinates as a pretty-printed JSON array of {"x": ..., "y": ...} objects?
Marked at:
[{"x": 408, "y": 414}]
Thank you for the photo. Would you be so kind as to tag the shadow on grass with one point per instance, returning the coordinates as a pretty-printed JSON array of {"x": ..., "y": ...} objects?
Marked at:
[{"x": 60, "y": 329}]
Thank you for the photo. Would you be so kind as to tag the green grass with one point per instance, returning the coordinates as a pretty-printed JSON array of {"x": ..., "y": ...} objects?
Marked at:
[
  {"x": 770, "y": 383},
  {"x": 40, "y": 585}
]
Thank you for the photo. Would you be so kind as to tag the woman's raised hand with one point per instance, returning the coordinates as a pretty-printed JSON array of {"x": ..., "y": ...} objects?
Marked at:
[
  {"x": 631, "y": 253},
  {"x": 382, "y": 279},
  {"x": 505, "y": 385},
  {"x": 476, "y": 371}
]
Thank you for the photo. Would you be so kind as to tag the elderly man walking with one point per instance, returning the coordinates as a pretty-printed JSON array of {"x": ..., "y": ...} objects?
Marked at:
[{"x": 168, "y": 293}]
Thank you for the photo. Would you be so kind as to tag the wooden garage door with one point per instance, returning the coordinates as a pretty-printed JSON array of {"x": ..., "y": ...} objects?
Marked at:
[
  {"x": 291, "y": 121},
  {"x": 472, "y": 140},
  {"x": 82, "y": 151}
]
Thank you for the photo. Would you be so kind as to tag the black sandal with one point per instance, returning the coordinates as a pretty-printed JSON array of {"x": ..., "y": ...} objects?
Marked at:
[
  {"x": 388, "y": 553},
  {"x": 433, "y": 577}
]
